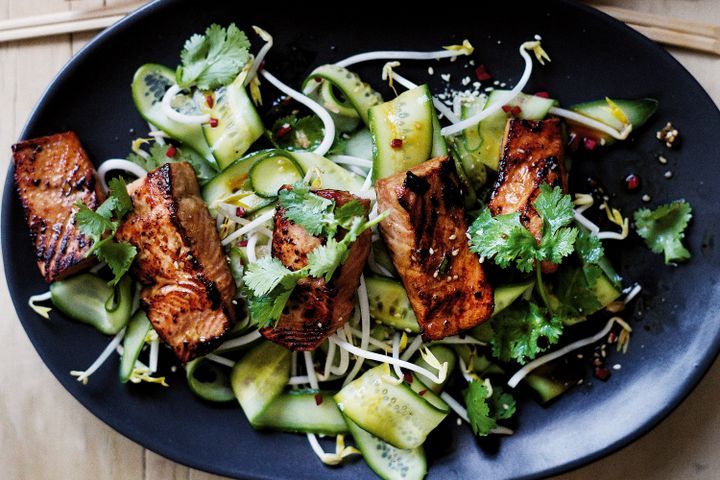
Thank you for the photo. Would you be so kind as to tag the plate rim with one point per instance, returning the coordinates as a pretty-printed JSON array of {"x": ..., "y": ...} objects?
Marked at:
[{"x": 676, "y": 399}]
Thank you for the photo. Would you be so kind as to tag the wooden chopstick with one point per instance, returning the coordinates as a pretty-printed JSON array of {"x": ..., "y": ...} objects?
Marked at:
[
  {"x": 672, "y": 31},
  {"x": 71, "y": 21}
]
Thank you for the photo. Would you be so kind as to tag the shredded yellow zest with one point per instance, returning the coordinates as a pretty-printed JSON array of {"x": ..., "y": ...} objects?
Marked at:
[
  {"x": 466, "y": 48},
  {"x": 151, "y": 336},
  {"x": 431, "y": 360},
  {"x": 403, "y": 341},
  {"x": 139, "y": 142},
  {"x": 623, "y": 341},
  {"x": 540, "y": 54},
  {"x": 617, "y": 112},
  {"x": 255, "y": 91},
  {"x": 616, "y": 217},
  {"x": 341, "y": 451},
  {"x": 317, "y": 181},
  {"x": 143, "y": 375},
  {"x": 387, "y": 73}
]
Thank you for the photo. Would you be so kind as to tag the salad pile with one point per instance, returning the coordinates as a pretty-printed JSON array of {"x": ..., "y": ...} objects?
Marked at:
[{"x": 248, "y": 136}]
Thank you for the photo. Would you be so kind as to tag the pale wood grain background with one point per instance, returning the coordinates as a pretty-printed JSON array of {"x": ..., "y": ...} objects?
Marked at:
[{"x": 46, "y": 434}]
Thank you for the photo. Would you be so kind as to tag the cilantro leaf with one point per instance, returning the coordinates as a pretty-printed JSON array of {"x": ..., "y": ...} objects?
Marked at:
[
  {"x": 478, "y": 410},
  {"x": 118, "y": 202},
  {"x": 92, "y": 224},
  {"x": 523, "y": 331},
  {"x": 212, "y": 60},
  {"x": 266, "y": 311},
  {"x": 589, "y": 247},
  {"x": 293, "y": 133},
  {"x": 263, "y": 276},
  {"x": 502, "y": 404},
  {"x": 118, "y": 256},
  {"x": 664, "y": 228},
  {"x": 506, "y": 241},
  {"x": 158, "y": 156},
  {"x": 325, "y": 259},
  {"x": 304, "y": 208},
  {"x": 347, "y": 213},
  {"x": 555, "y": 208}
]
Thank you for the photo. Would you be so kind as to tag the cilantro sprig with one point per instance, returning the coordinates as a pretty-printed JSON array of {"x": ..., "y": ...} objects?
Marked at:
[
  {"x": 214, "y": 59},
  {"x": 102, "y": 224},
  {"x": 524, "y": 330},
  {"x": 664, "y": 228},
  {"x": 268, "y": 284},
  {"x": 485, "y": 410},
  {"x": 506, "y": 241}
]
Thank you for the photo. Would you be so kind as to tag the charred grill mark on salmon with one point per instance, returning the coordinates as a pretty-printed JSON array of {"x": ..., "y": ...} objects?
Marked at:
[
  {"x": 51, "y": 174},
  {"x": 533, "y": 154},
  {"x": 316, "y": 308},
  {"x": 189, "y": 289},
  {"x": 425, "y": 233}
]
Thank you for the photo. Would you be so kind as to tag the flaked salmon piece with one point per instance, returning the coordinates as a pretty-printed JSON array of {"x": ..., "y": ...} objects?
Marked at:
[
  {"x": 425, "y": 234},
  {"x": 51, "y": 174},
  {"x": 533, "y": 153},
  {"x": 188, "y": 288},
  {"x": 316, "y": 308}
]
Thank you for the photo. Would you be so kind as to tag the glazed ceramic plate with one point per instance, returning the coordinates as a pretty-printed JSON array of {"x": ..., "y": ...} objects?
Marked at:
[{"x": 676, "y": 321}]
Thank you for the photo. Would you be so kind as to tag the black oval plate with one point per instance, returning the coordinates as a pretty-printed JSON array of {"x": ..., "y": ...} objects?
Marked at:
[{"x": 593, "y": 56}]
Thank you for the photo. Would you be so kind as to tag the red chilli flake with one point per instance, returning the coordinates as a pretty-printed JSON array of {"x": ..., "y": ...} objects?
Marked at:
[
  {"x": 240, "y": 212},
  {"x": 171, "y": 151},
  {"x": 632, "y": 182},
  {"x": 516, "y": 111},
  {"x": 506, "y": 108},
  {"x": 284, "y": 130},
  {"x": 422, "y": 392},
  {"x": 408, "y": 377},
  {"x": 396, "y": 143},
  {"x": 601, "y": 373},
  {"x": 589, "y": 143},
  {"x": 542, "y": 94},
  {"x": 213, "y": 122},
  {"x": 318, "y": 399},
  {"x": 482, "y": 74},
  {"x": 242, "y": 243},
  {"x": 210, "y": 100}
]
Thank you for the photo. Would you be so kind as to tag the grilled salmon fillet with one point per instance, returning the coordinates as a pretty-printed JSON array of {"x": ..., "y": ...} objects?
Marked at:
[
  {"x": 532, "y": 154},
  {"x": 425, "y": 233},
  {"x": 316, "y": 308},
  {"x": 51, "y": 174},
  {"x": 188, "y": 288}
]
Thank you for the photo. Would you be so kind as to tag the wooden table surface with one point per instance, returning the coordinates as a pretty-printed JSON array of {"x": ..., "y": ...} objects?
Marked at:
[{"x": 47, "y": 434}]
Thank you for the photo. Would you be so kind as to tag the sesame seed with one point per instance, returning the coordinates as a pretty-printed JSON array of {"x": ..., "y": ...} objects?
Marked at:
[
  {"x": 538, "y": 37},
  {"x": 466, "y": 81},
  {"x": 617, "y": 366},
  {"x": 455, "y": 252},
  {"x": 431, "y": 250},
  {"x": 435, "y": 274},
  {"x": 489, "y": 89},
  {"x": 668, "y": 174},
  {"x": 580, "y": 356},
  {"x": 452, "y": 237},
  {"x": 430, "y": 71},
  {"x": 662, "y": 159},
  {"x": 445, "y": 77},
  {"x": 472, "y": 62},
  {"x": 459, "y": 422},
  {"x": 646, "y": 198},
  {"x": 455, "y": 277},
  {"x": 173, "y": 369}
]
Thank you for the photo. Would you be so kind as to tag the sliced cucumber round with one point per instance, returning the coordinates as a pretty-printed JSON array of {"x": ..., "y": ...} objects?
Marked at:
[
  {"x": 133, "y": 342},
  {"x": 402, "y": 132},
  {"x": 149, "y": 85},
  {"x": 389, "y": 304},
  {"x": 238, "y": 123},
  {"x": 209, "y": 380},
  {"x": 232, "y": 185},
  {"x": 389, "y": 411},
  {"x": 356, "y": 92},
  {"x": 271, "y": 172},
  {"x": 388, "y": 462},
  {"x": 300, "y": 411},
  {"x": 87, "y": 298},
  {"x": 331, "y": 174},
  {"x": 259, "y": 377}
]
